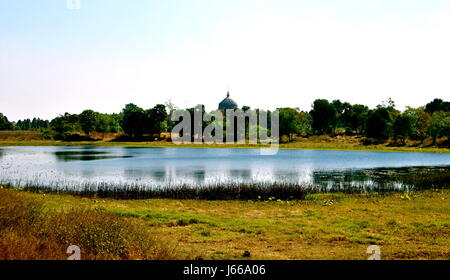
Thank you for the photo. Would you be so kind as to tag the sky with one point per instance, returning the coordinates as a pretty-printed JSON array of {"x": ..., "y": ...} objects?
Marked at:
[{"x": 270, "y": 54}]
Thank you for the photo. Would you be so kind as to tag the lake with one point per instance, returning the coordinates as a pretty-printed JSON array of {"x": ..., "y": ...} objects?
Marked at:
[{"x": 74, "y": 167}]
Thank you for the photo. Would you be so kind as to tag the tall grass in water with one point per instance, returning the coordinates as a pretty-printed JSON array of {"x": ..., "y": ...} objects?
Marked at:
[
  {"x": 29, "y": 232},
  {"x": 349, "y": 181},
  {"x": 232, "y": 191}
]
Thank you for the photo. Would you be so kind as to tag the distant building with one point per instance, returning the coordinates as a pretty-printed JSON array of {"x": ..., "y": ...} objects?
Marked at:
[{"x": 227, "y": 103}]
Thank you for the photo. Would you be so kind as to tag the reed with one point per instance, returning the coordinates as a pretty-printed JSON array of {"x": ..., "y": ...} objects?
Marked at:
[{"x": 379, "y": 180}]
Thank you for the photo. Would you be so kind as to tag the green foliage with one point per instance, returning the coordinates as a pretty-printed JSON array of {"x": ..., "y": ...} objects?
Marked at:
[
  {"x": 133, "y": 122},
  {"x": 354, "y": 118},
  {"x": 341, "y": 108},
  {"x": 324, "y": 117},
  {"x": 65, "y": 124},
  {"x": 4, "y": 123},
  {"x": 421, "y": 121},
  {"x": 340, "y": 117},
  {"x": 439, "y": 125},
  {"x": 137, "y": 121},
  {"x": 437, "y": 105},
  {"x": 378, "y": 124},
  {"x": 156, "y": 121},
  {"x": 292, "y": 121},
  {"x": 403, "y": 126},
  {"x": 35, "y": 124},
  {"x": 89, "y": 121}
]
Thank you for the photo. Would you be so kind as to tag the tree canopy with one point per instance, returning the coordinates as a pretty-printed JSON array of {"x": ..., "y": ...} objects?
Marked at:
[{"x": 324, "y": 117}]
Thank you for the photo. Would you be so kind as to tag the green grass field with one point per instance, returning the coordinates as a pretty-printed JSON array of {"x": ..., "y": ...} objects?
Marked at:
[{"x": 323, "y": 226}]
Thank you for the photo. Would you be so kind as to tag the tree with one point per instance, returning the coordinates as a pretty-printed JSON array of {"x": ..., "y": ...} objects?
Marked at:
[
  {"x": 354, "y": 118},
  {"x": 439, "y": 125},
  {"x": 109, "y": 123},
  {"x": 4, "y": 123},
  {"x": 104, "y": 123},
  {"x": 378, "y": 124},
  {"x": 133, "y": 122},
  {"x": 292, "y": 121},
  {"x": 421, "y": 121},
  {"x": 156, "y": 120},
  {"x": 65, "y": 123},
  {"x": 389, "y": 104},
  {"x": 171, "y": 107},
  {"x": 24, "y": 124},
  {"x": 89, "y": 121},
  {"x": 341, "y": 108},
  {"x": 437, "y": 105},
  {"x": 35, "y": 124},
  {"x": 403, "y": 126},
  {"x": 324, "y": 117}
]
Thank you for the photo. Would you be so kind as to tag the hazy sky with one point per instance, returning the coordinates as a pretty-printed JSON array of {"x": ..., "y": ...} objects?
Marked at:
[{"x": 270, "y": 53}]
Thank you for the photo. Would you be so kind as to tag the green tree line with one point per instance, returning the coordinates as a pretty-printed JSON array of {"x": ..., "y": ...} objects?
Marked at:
[{"x": 325, "y": 118}]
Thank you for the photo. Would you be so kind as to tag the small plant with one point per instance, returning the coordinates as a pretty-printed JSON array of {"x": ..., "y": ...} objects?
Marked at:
[
  {"x": 205, "y": 233},
  {"x": 328, "y": 202},
  {"x": 405, "y": 197}
]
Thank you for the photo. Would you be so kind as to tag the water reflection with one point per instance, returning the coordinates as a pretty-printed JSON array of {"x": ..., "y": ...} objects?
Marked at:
[
  {"x": 85, "y": 155},
  {"x": 243, "y": 174},
  {"x": 166, "y": 167}
]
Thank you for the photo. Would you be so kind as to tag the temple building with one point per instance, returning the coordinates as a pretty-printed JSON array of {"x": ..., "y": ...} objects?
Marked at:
[{"x": 227, "y": 103}]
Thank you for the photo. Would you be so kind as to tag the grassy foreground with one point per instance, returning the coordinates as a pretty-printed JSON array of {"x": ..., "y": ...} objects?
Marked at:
[{"x": 323, "y": 226}]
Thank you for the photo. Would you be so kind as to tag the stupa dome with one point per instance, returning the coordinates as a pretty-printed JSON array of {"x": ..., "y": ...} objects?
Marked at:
[{"x": 227, "y": 103}]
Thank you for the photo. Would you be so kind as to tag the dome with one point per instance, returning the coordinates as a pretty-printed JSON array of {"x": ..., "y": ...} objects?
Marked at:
[{"x": 227, "y": 103}]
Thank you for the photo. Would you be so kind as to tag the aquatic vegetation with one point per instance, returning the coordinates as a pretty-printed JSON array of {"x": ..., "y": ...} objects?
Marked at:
[
  {"x": 224, "y": 174},
  {"x": 376, "y": 181}
]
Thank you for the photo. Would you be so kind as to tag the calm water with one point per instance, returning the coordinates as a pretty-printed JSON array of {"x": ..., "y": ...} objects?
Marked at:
[{"x": 154, "y": 167}]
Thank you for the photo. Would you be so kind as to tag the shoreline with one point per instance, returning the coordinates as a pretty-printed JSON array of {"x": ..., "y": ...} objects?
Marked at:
[{"x": 331, "y": 146}]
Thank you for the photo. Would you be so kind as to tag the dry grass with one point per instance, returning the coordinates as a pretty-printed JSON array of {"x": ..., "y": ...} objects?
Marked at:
[
  {"x": 30, "y": 231},
  {"x": 324, "y": 226},
  {"x": 19, "y": 135}
]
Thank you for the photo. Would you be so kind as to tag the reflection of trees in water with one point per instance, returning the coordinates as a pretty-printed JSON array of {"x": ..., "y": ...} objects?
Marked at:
[
  {"x": 376, "y": 177},
  {"x": 135, "y": 173},
  {"x": 338, "y": 177},
  {"x": 5, "y": 162},
  {"x": 158, "y": 174},
  {"x": 88, "y": 172},
  {"x": 86, "y": 155},
  {"x": 241, "y": 174},
  {"x": 199, "y": 176},
  {"x": 196, "y": 174},
  {"x": 289, "y": 176}
]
